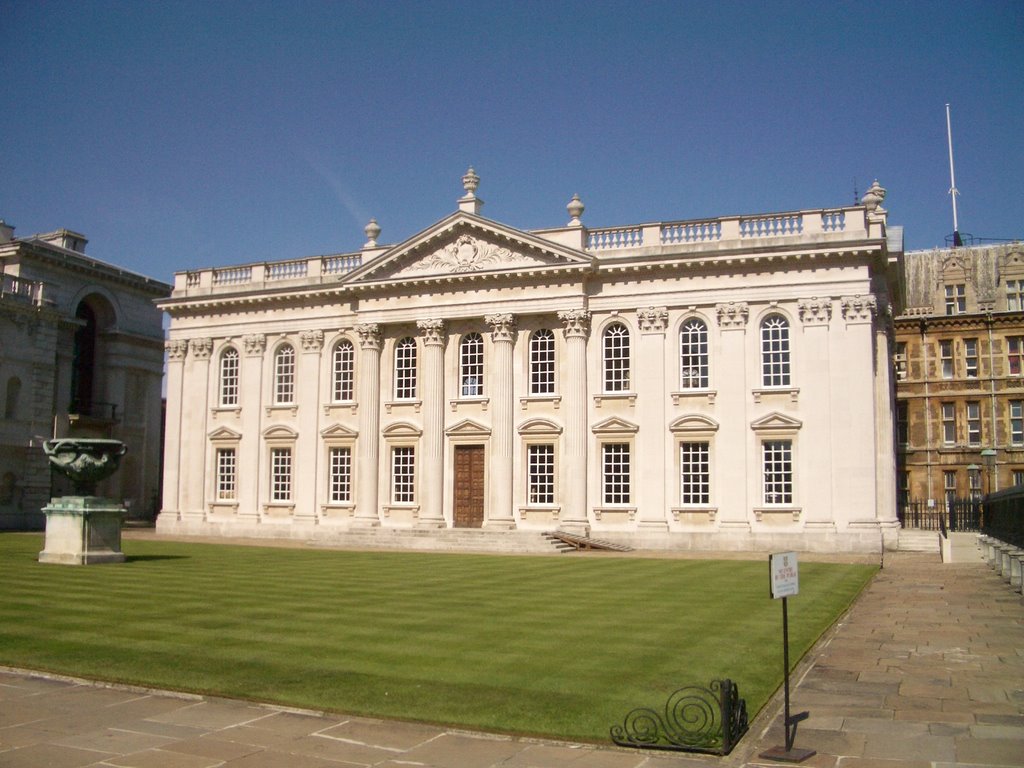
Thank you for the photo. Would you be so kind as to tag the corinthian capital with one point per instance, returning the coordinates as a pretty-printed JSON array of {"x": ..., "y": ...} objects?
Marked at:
[
  {"x": 652, "y": 319},
  {"x": 254, "y": 343},
  {"x": 201, "y": 348},
  {"x": 432, "y": 331},
  {"x": 576, "y": 323},
  {"x": 732, "y": 314},
  {"x": 369, "y": 335},
  {"x": 312, "y": 341},
  {"x": 815, "y": 311},
  {"x": 176, "y": 349},
  {"x": 859, "y": 309},
  {"x": 503, "y": 327}
]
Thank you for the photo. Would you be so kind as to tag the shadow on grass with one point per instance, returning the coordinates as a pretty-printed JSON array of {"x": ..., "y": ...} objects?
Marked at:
[{"x": 153, "y": 558}]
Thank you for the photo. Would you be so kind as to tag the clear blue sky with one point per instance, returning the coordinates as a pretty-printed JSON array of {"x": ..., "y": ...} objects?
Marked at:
[{"x": 183, "y": 134}]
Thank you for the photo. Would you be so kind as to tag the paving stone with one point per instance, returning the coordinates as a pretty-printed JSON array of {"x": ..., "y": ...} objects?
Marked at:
[
  {"x": 156, "y": 758},
  {"x": 989, "y": 751},
  {"x": 897, "y": 747}
]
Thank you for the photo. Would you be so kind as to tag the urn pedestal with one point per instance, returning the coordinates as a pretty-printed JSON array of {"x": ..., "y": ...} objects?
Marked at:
[{"x": 85, "y": 529}]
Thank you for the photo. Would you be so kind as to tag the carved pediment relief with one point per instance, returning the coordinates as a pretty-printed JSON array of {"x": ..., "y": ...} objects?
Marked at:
[
  {"x": 280, "y": 432},
  {"x": 468, "y": 253}
]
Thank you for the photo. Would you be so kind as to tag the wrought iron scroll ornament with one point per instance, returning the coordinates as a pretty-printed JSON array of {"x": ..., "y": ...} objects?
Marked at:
[{"x": 696, "y": 719}]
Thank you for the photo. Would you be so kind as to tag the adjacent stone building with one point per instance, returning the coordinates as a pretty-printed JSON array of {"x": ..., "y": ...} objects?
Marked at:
[
  {"x": 959, "y": 335},
  {"x": 81, "y": 355},
  {"x": 721, "y": 383}
]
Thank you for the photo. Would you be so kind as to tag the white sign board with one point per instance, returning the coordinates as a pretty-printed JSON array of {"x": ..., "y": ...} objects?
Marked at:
[{"x": 784, "y": 575}]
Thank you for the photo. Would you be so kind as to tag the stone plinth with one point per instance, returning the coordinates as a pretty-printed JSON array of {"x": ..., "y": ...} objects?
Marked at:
[{"x": 82, "y": 530}]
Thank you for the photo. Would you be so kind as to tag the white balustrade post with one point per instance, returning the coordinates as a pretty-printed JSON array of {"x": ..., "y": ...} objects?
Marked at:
[
  {"x": 431, "y": 513},
  {"x": 574, "y": 474},
  {"x": 503, "y": 336},
  {"x": 368, "y": 442}
]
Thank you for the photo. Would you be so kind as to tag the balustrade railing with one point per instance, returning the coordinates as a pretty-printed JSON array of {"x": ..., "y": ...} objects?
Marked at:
[
  {"x": 286, "y": 270},
  {"x": 30, "y": 291},
  {"x": 232, "y": 275}
]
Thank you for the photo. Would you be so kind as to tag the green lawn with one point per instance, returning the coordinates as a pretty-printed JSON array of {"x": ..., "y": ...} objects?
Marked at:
[{"x": 557, "y": 646}]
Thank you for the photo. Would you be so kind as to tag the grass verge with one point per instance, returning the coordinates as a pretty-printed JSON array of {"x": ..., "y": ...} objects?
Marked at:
[{"x": 559, "y": 647}]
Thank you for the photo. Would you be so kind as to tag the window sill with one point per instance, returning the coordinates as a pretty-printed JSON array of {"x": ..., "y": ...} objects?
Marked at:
[
  {"x": 340, "y": 405},
  {"x": 291, "y": 408},
  {"x": 792, "y": 392},
  {"x": 525, "y": 402},
  {"x": 624, "y": 512},
  {"x": 695, "y": 514},
  {"x": 693, "y": 394},
  {"x": 416, "y": 405},
  {"x": 628, "y": 396},
  {"x": 466, "y": 401},
  {"x": 777, "y": 512}
]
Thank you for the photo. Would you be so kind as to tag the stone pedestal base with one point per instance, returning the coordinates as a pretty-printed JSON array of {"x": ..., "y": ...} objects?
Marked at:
[{"x": 82, "y": 530}]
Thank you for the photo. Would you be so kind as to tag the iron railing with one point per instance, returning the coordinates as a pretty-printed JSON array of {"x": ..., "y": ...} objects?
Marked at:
[
  {"x": 951, "y": 515},
  {"x": 1004, "y": 516}
]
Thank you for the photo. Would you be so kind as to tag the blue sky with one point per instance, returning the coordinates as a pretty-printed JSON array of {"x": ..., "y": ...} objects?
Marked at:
[{"x": 183, "y": 134}]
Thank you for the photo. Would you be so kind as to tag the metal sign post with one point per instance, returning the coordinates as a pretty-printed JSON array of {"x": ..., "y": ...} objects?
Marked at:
[{"x": 785, "y": 582}]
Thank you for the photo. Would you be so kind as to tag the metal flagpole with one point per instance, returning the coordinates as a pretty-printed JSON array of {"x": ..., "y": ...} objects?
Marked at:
[{"x": 953, "y": 191}]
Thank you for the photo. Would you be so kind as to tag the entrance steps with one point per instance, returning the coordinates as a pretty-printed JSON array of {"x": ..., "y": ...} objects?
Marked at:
[
  {"x": 916, "y": 540},
  {"x": 438, "y": 540}
]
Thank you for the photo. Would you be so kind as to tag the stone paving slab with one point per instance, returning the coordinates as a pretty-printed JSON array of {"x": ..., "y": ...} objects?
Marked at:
[{"x": 926, "y": 669}]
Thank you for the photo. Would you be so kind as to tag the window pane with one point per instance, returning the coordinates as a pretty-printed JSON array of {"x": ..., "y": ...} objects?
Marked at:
[
  {"x": 615, "y": 463},
  {"x": 777, "y": 467},
  {"x": 695, "y": 473},
  {"x": 616, "y": 358},
  {"x": 403, "y": 475},
  {"x": 405, "y": 369},
  {"x": 775, "y": 352},
  {"x": 341, "y": 475},
  {"x": 284, "y": 375},
  {"x": 542, "y": 362},
  {"x": 226, "y": 473},
  {"x": 229, "y": 377},
  {"x": 693, "y": 355},
  {"x": 471, "y": 365},
  {"x": 541, "y": 474},
  {"x": 344, "y": 366},
  {"x": 281, "y": 474}
]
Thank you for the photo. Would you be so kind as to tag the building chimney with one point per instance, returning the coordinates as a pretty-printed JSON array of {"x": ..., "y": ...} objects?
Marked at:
[{"x": 6, "y": 232}]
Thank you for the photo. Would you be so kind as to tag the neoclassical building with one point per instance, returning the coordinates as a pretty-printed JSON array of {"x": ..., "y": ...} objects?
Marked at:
[
  {"x": 81, "y": 355},
  {"x": 714, "y": 384}
]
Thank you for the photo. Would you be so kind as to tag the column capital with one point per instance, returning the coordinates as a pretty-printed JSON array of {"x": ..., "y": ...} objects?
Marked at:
[
  {"x": 576, "y": 322},
  {"x": 503, "y": 326},
  {"x": 254, "y": 343},
  {"x": 312, "y": 341},
  {"x": 815, "y": 311},
  {"x": 201, "y": 348},
  {"x": 859, "y": 309},
  {"x": 176, "y": 350},
  {"x": 369, "y": 335},
  {"x": 732, "y": 314},
  {"x": 432, "y": 331},
  {"x": 653, "y": 319}
]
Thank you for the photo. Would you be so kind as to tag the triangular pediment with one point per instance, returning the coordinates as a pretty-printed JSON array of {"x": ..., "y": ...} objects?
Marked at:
[
  {"x": 465, "y": 244},
  {"x": 467, "y": 428},
  {"x": 223, "y": 433},
  {"x": 776, "y": 421},
  {"x": 338, "y": 431},
  {"x": 615, "y": 426}
]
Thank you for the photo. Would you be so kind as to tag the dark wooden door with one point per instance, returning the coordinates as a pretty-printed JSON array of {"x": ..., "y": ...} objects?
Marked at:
[{"x": 469, "y": 486}]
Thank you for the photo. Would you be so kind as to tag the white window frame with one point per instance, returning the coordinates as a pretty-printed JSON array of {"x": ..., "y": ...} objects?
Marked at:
[
  {"x": 226, "y": 473},
  {"x": 282, "y": 468},
  {"x": 694, "y": 356},
  {"x": 343, "y": 358},
  {"x": 1016, "y": 414},
  {"x": 339, "y": 474},
  {"x": 471, "y": 365},
  {"x": 542, "y": 362},
  {"x": 228, "y": 377},
  {"x": 1015, "y": 355},
  {"x": 946, "y": 358},
  {"x": 973, "y": 411},
  {"x": 284, "y": 375},
  {"x": 694, "y": 473},
  {"x": 971, "y": 358},
  {"x": 616, "y": 473},
  {"x": 1014, "y": 295},
  {"x": 948, "y": 417},
  {"x": 541, "y": 475},
  {"x": 956, "y": 298},
  {"x": 615, "y": 358},
  {"x": 776, "y": 352},
  {"x": 403, "y": 474},
  {"x": 778, "y": 473},
  {"x": 406, "y": 355}
]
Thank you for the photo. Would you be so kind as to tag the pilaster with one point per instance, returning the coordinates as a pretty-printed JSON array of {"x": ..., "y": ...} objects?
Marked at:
[
  {"x": 176, "y": 351},
  {"x": 368, "y": 443},
  {"x": 250, "y": 449},
  {"x": 576, "y": 327},
  {"x": 503, "y": 336},
  {"x": 431, "y": 513},
  {"x": 307, "y": 461},
  {"x": 195, "y": 416},
  {"x": 651, "y": 473},
  {"x": 731, "y": 466}
]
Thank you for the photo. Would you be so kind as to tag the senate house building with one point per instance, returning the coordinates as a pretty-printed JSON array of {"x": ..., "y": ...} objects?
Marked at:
[{"x": 712, "y": 384}]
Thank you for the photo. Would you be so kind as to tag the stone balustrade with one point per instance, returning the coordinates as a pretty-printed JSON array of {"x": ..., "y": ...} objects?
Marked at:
[{"x": 19, "y": 289}]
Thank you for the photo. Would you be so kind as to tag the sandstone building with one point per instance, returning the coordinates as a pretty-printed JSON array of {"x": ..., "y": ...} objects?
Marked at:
[
  {"x": 721, "y": 383},
  {"x": 81, "y": 355}
]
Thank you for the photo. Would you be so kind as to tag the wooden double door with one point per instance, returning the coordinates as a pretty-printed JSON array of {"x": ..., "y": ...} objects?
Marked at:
[{"x": 469, "y": 486}]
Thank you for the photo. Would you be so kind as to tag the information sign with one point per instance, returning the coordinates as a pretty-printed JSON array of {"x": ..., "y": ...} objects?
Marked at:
[{"x": 784, "y": 576}]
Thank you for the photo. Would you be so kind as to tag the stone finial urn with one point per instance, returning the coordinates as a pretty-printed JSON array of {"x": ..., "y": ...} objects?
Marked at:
[{"x": 83, "y": 529}]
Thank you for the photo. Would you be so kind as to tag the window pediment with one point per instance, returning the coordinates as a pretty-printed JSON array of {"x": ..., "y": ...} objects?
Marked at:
[
  {"x": 776, "y": 422},
  {"x": 338, "y": 431},
  {"x": 693, "y": 422},
  {"x": 539, "y": 427},
  {"x": 402, "y": 429},
  {"x": 280, "y": 432},
  {"x": 468, "y": 428},
  {"x": 223, "y": 434},
  {"x": 615, "y": 426}
]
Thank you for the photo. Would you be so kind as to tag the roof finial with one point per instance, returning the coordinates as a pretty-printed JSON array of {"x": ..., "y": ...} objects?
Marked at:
[
  {"x": 575, "y": 209},
  {"x": 469, "y": 202}
]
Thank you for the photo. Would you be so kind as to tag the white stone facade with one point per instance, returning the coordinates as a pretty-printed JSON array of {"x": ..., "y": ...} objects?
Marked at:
[
  {"x": 716, "y": 384},
  {"x": 81, "y": 355}
]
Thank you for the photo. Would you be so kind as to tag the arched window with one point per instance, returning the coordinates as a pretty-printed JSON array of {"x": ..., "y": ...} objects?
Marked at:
[
  {"x": 775, "y": 362},
  {"x": 84, "y": 360},
  {"x": 342, "y": 371},
  {"x": 542, "y": 362},
  {"x": 471, "y": 365},
  {"x": 229, "y": 377},
  {"x": 405, "y": 369},
  {"x": 693, "y": 355},
  {"x": 616, "y": 358},
  {"x": 284, "y": 375},
  {"x": 13, "y": 395}
]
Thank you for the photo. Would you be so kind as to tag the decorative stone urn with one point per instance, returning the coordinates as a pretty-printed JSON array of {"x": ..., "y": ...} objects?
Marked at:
[{"x": 83, "y": 529}]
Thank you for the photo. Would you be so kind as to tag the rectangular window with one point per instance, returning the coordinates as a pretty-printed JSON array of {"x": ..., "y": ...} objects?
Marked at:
[
  {"x": 903, "y": 489},
  {"x": 956, "y": 299},
  {"x": 1017, "y": 422},
  {"x": 971, "y": 358},
  {"x": 403, "y": 475},
  {"x": 229, "y": 377},
  {"x": 777, "y": 471},
  {"x": 694, "y": 474},
  {"x": 693, "y": 355},
  {"x": 1015, "y": 295},
  {"x": 949, "y": 485},
  {"x": 974, "y": 484},
  {"x": 900, "y": 360},
  {"x": 903, "y": 422},
  {"x": 341, "y": 475},
  {"x": 946, "y": 358},
  {"x": 226, "y": 464},
  {"x": 949, "y": 424},
  {"x": 1018, "y": 477},
  {"x": 405, "y": 369},
  {"x": 974, "y": 423},
  {"x": 280, "y": 474},
  {"x": 471, "y": 365},
  {"x": 541, "y": 459},
  {"x": 344, "y": 369},
  {"x": 1014, "y": 350},
  {"x": 615, "y": 464}
]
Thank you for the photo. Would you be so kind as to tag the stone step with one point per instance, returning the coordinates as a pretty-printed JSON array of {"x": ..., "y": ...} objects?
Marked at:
[
  {"x": 440, "y": 540},
  {"x": 912, "y": 540}
]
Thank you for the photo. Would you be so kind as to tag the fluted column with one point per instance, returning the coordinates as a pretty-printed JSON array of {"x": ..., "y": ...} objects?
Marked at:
[
  {"x": 651, "y": 473},
  {"x": 368, "y": 444},
  {"x": 308, "y": 461},
  {"x": 176, "y": 351},
  {"x": 251, "y": 396},
  {"x": 431, "y": 467},
  {"x": 196, "y": 412},
  {"x": 503, "y": 337},
  {"x": 576, "y": 326},
  {"x": 730, "y": 483},
  {"x": 816, "y": 435}
]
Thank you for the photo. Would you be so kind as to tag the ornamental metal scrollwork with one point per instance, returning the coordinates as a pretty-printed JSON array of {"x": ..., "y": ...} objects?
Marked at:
[{"x": 695, "y": 719}]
